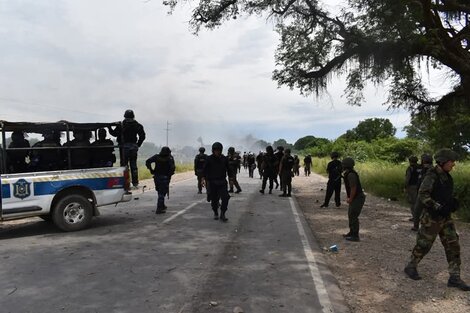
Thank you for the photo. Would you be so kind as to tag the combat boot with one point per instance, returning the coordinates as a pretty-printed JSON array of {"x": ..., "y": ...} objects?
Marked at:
[
  {"x": 270, "y": 191},
  {"x": 457, "y": 282},
  {"x": 223, "y": 218},
  {"x": 261, "y": 191},
  {"x": 160, "y": 211},
  {"x": 352, "y": 238},
  {"x": 412, "y": 272},
  {"x": 238, "y": 191}
]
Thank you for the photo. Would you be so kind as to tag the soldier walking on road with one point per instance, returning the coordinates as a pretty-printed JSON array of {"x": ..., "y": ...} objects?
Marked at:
[
  {"x": 279, "y": 155},
  {"x": 215, "y": 175},
  {"x": 130, "y": 136},
  {"x": 411, "y": 182},
  {"x": 162, "y": 172},
  {"x": 356, "y": 198},
  {"x": 285, "y": 170},
  {"x": 233, "y": 165},
  {"x": 269, "y": 169},
  {"x": 199, "y": 162},
  {"x": 251, "y": 163},
  {"x": 259, "y": 160},
  {"x": 307, "y": 165},
  {"x": 334, "y": 170},
  {"x": 436, "y": 195},
  {"x": 426, "y": 164}
]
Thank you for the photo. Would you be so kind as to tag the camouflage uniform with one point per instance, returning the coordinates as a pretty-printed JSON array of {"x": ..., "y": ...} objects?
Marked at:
[{"x": 435, "y": 193}]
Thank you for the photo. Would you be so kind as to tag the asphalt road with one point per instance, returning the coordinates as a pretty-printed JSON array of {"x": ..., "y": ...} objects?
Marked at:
[{"x": 264, "y": 259}]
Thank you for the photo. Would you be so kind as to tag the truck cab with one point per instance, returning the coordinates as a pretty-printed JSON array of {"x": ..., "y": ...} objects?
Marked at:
[{"x": 62, "y": 181}]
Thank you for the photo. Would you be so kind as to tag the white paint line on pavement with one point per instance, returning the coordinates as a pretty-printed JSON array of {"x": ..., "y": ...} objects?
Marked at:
[
  {"x": 186, "y": 209},
  {"x": 312, "y": 264}
]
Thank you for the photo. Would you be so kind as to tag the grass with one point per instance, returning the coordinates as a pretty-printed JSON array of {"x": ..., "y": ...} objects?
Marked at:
[{"x": 385, "y": 179}]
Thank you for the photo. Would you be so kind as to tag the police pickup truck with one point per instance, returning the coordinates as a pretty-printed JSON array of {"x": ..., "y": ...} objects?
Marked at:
[{"x": 56, "y": 179}]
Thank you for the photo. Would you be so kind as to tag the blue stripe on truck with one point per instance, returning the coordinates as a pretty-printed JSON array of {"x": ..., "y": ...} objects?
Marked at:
[
  {"x": 6, "y": 192},
  {"x": 52, "y": 187}
]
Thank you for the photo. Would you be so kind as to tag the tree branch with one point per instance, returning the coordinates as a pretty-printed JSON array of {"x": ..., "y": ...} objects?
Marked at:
[{"x": 335, "y": 62}]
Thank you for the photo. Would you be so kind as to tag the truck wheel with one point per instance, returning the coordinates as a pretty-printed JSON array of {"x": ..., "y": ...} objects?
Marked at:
[{"x": 72, "y": 212}]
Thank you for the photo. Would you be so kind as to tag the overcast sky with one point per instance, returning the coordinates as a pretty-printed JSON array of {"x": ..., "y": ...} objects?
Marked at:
[{"x": 89, "y": 60}]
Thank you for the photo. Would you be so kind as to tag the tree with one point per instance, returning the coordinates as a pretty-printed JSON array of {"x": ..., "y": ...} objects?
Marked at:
[
  {"x": 443, "y": 127},
  {"x": 305, "y": 142},
  {"x": 282, "y": 142},
  {"x": 375, "y": 40},
  {"x": 370, "y": 129}
]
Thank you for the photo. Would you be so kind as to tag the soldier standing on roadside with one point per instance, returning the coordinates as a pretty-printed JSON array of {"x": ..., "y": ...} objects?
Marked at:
[
  {"x": 436, "y": 195},
  {"x": 269, "y": 169},
  {"x": 162, "y": 172},
  {"x": 296, "y": 165},
  {"x": 307, "y": 165},
  {"x": 411, "y": 182},
  {"x": 356, "y": 198},
  {"x": 215, "y": 175},
  {"x": 233, "y": 165},
  {"x": 285, "y": 170},
  {"x": 426, "y": 164},
  {"x": 251, "y": 163},
  {"x": 334, "y": 170},
  {"x": 199, "y": 162}
]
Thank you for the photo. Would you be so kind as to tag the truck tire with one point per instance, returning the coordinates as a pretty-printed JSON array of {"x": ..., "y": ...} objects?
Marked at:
[{"x": 72, "y": 212}]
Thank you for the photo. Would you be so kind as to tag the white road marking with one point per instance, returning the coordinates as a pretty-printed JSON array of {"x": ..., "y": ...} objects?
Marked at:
[
  {"x": 312, "y": 264},
  {"x": 186, "y": 209}
]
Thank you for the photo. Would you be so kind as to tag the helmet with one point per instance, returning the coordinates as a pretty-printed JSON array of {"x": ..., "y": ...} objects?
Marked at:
[
  {"x": 129, "y": 114},
  {"x": 348, "y": 163},
  {"x": 444, "y": 155},
  {"x": 202, "y": 149},
  {"x": 426, "y": 158},
  {"x": 280, "y": 148},
  {"x": 165, "y": 151},
  {"x": 287, "y": 151},
  {"x": 334, "y": 154},
  {"x": 413, "y": 159},
  {"x": 231, "y": 150},
  {"x": 217, "y": 146},
  {"x": 269, "y": 149},
  {"x": 101, "y": 133}
]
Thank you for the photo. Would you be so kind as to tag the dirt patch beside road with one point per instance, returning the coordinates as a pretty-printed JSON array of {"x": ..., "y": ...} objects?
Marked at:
[{"x": 370, "y": 272}]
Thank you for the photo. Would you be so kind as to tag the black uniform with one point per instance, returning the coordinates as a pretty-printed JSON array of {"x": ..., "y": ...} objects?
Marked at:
[
  {"x": 17, "y": 158},
  {"x": 103, "y": 156},
  {"x": 351, "y": 179},
  {"x": 287, "y": 164},
  {"x": 270, "y": 169},
  {"x": 80, "y": 157},
  {"x": 162, "y": 172},
  {"x": 279, "y": 155},
  {"x": 216, "y": 170},
  {"x": 46, "y": 159},
  {"x": 233, "y": 164},
  {"x": 259, "y": 160},
  {"x": 199, "y": 163},
  {"x": 251, "y": 163},
  {"x": 307, "y": 165},
  {"x": 130, "y": 137},
  {"x": 334, "y": 170}
]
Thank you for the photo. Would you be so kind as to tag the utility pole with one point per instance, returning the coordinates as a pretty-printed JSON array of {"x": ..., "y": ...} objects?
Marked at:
[{"x": 167, "y": 131}]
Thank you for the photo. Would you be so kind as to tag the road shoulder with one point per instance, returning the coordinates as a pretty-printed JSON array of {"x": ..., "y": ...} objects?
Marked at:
[{"x": 370, "y": 273}]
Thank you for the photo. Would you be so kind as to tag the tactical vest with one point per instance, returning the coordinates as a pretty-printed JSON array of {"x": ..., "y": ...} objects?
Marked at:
[
  {"x": 287, "y": 163},
  {"x": 200, "y": 161},
  {"x": 163, "y": 166},
  {"x": 443, "y": 189},
  {"x": 359, "y": 190}
]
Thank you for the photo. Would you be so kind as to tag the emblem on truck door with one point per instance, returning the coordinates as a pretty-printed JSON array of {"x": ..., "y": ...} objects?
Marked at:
[{"x": 21, "y": 189}]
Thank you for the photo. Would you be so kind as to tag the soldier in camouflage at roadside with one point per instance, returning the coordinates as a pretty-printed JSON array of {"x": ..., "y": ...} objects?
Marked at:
[
  {"x": 426, "y": 164},
  {"x": 436, "y": 195}
]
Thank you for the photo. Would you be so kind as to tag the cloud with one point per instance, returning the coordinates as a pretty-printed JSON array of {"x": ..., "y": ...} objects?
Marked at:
[{"x": 91, "y": 60}]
